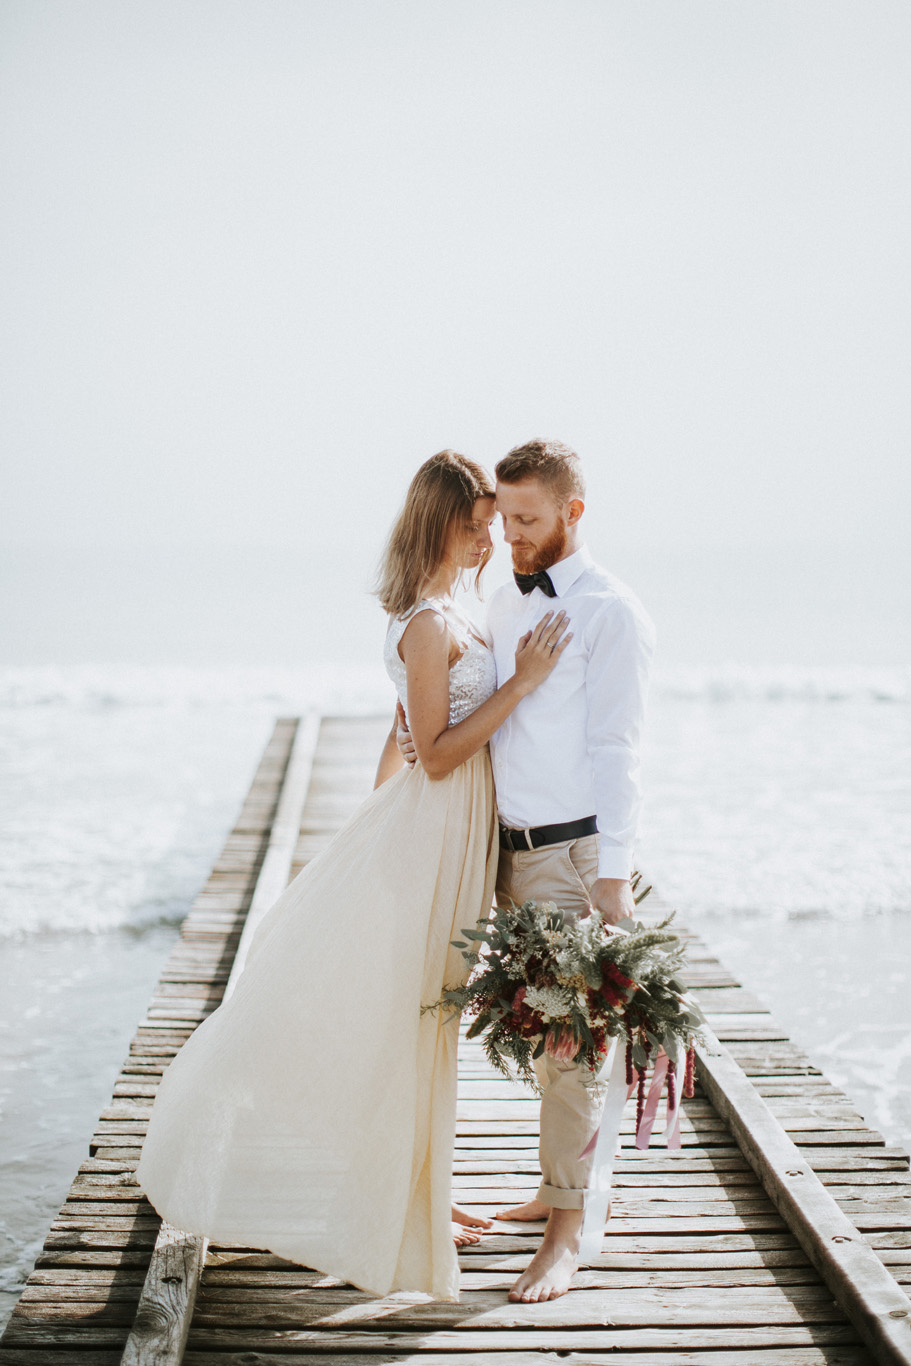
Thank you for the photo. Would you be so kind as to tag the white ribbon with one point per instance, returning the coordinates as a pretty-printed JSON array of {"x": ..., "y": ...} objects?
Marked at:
[{"x": 597, "y": 1196}]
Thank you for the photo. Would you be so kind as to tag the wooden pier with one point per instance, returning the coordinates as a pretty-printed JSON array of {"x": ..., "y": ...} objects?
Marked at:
[{"x": 780, "y": 1234}]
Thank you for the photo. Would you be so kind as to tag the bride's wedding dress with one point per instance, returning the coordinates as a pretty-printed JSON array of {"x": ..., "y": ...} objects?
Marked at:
[{"x": 313, "y": 1113}]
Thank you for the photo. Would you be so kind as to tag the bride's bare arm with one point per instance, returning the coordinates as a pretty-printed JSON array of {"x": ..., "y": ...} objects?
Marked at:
[
  {"x": 391, "y": 759},
  {"x": 425, "y": 649}
]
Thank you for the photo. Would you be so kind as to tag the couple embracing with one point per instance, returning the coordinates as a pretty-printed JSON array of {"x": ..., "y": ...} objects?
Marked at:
[{"x": 313, "y": 1113}]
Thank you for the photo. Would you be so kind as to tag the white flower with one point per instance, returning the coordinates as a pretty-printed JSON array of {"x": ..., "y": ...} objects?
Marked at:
[{"x": 549, "y": 1002}]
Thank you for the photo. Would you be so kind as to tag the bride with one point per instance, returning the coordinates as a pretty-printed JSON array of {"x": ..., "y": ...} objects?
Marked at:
[{"x": 313, "y": 1113}]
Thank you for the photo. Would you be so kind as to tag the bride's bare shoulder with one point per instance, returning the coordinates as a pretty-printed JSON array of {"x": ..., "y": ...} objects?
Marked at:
[{"x": 426, "y": 629}]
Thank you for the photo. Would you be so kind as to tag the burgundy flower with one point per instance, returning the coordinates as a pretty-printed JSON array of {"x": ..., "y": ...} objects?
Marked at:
[
  {"x": 689, "y": 1079},
  {"x": 610, "y": 972},
  {"x": 640, "y": 1099},
  {"x": 614, "y": 986}
]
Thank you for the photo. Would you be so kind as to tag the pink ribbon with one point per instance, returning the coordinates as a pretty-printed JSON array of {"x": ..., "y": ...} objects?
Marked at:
[{"x": 650, "y": 1109}]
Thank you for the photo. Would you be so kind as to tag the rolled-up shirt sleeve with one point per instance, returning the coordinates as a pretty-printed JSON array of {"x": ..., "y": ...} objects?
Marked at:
[{"x": 620, "y": 643}]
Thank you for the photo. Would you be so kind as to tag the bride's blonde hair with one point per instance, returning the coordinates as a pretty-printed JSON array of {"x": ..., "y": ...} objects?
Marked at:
[{"x": 442, "y": 494}]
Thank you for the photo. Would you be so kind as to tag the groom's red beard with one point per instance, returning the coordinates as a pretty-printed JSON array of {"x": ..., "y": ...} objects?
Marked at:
[{"x": 535, "y": 558}]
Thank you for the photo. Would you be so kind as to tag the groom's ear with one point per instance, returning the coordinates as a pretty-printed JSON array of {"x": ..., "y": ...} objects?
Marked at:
[{"x": 574, "y": 510}]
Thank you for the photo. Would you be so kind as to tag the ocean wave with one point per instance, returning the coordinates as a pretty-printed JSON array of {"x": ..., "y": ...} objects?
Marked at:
[
  {"x": 339, "y": 687},
  {"x": 364, "y": 688},
  {"x": 735, "y": 682},
  {"x": 75, "y": 919}
]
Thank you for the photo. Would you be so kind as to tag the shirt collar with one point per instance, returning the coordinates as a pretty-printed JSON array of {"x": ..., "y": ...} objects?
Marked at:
[{"x": 564, "y": 573}]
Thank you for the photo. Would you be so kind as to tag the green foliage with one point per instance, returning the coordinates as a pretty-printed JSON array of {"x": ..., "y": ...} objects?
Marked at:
[{"x": 541, "y": 979}]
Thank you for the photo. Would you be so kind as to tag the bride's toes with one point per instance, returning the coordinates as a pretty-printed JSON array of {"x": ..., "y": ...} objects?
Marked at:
[{"x": 463, "y": 1237}]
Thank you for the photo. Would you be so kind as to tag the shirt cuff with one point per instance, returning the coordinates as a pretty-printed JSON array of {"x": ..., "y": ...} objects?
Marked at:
[{"x": 615, "y": 861}]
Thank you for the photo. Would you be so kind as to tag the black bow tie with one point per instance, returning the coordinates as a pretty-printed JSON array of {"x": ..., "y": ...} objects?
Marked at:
[{"x": 540, "y": 580}]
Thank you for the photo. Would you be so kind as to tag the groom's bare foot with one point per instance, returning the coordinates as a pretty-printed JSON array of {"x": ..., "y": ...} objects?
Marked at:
[
  {"x": 535, "y": 1209},
  {"x": 461, "y": 1216},
  {"x": 556, "y": 1261}
]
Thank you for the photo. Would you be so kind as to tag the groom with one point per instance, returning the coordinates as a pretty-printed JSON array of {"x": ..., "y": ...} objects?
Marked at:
[{"x": 566, "y": 769}]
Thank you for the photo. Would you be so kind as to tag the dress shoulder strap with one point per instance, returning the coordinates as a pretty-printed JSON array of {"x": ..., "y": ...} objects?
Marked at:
[
  {"x": 458, "y": 623},
  {"x": 396, "y": 628}
]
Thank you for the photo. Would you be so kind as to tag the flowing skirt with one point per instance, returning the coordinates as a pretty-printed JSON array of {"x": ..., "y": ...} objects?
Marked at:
[{"x": 313, "y": 1113}]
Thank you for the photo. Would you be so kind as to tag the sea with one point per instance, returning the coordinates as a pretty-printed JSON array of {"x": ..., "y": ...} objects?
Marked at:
[{"x": 778, "y": 822}]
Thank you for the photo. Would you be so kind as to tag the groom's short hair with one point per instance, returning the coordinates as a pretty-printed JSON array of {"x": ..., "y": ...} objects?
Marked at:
[{"x": 555, "y": 464}]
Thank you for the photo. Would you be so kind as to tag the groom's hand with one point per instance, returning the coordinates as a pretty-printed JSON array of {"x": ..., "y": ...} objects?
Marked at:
[
  {"x": 613, "y": 897},
  {"x": 403, "y": 738}
]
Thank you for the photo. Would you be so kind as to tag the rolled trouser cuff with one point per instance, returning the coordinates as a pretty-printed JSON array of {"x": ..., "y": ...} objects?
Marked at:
[{"x": 558, "y": 1198}]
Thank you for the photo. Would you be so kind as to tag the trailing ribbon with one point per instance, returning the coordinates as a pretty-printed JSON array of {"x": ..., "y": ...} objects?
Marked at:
[
  {"x": 644, "y": 1132},
  {"x": 604, "y": 1143},
  {"x": 649, "y": 1113}
]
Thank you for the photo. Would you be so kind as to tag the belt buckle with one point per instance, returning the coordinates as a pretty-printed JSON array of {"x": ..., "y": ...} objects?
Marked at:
[{"x": 512, "y": 838}]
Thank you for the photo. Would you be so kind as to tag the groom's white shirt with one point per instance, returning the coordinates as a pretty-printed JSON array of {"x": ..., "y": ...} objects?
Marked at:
[{"x": 571, "y": 748}]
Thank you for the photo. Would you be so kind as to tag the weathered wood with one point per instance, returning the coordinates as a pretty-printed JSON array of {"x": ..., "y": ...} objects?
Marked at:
[
  {"x": 697, "y": 1264},
  {"x": 106, "y": 1259},
  {"x": 564, "y": 1341},
  {"x": 607, "y": 1338},
  {"x": 788, "y": 1356},
  {"x": 63, "y": 1356},
  {"x": 87, "y": 1287},
  {"x": 102, "y": 1238},
  {"x": 646, "y": 1275},
  {"x": 334, "y": 1308},
  {"x": 162, "y": 1321},
  {"x": 876, "y": 1305},
  {"x": 485, "y": 1174}
]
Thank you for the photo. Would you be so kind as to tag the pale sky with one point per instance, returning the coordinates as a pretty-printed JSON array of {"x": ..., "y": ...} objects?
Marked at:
[{"x": 259, "y": 260}]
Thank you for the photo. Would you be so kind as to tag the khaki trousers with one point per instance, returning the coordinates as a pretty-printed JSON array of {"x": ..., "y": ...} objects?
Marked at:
[{"x": 570, "y": 1110}]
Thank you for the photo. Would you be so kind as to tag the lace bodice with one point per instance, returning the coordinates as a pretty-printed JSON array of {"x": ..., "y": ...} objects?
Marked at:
[{"x": 473, "y": 677}]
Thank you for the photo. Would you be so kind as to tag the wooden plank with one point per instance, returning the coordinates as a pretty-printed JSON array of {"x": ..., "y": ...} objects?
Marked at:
[
  {"x": 607, "y": 1338},
  {"x": 60, "y": 1356},
  {"x": 48, "y": 1335},
  {"x": 75, "y": 1259},
  {"x": 789, "y": 1356},
  {"x": 159, "y": 1333},
  {"x": 333, "y": 1308}
]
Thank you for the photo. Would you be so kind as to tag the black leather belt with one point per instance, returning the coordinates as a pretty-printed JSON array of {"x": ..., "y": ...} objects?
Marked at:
[{"x": 539, "y": 835}]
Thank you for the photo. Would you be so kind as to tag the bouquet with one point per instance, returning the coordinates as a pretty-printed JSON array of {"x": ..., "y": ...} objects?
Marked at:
[{"x": 543, "y": 982}]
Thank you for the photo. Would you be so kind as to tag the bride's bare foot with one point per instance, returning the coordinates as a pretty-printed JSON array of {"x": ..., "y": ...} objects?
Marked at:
[
  {"x": 464, "y": 1237},
  {"x": 555, "y": 1263},
  {"x": 461, "y": 1216}
]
